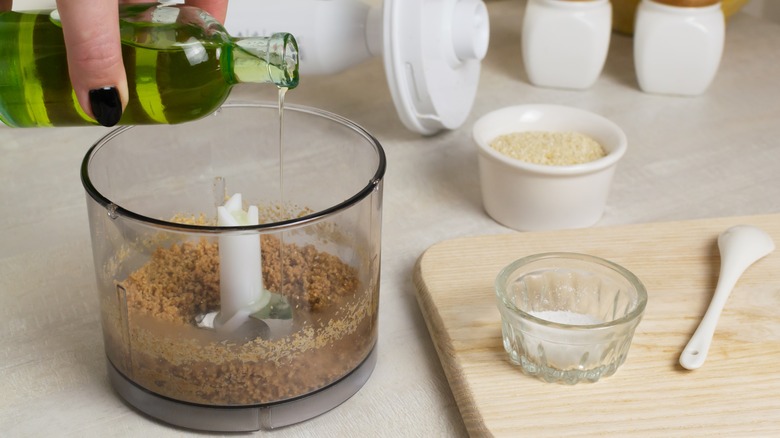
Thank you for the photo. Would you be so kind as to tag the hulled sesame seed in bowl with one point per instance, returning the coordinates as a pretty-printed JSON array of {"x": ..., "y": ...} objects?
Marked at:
[{"x": 546, "y": 167}]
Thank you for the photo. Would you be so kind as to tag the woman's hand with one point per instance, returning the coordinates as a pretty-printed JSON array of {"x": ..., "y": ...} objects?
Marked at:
[{"x": 91, "y": 31}]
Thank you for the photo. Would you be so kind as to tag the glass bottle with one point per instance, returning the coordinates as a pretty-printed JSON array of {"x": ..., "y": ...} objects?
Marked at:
[{"x": 180, "y": 64}]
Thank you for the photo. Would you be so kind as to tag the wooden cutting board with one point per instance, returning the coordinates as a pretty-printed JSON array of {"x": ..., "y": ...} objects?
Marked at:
[{"x": 735, "y": 393}]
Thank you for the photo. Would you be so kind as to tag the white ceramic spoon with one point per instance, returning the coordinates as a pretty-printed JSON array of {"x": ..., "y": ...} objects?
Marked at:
[{"x": 740, "y": 246}]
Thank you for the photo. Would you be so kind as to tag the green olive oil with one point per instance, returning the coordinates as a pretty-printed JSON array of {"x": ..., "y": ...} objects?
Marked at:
[{"x": 177, "y": 70}]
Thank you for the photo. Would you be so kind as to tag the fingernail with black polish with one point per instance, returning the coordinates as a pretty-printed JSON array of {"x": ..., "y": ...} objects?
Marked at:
[{"x": 106, "y": 105}]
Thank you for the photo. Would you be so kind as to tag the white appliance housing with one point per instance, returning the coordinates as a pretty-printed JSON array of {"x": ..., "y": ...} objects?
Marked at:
[{"x": 431, "y": 49}]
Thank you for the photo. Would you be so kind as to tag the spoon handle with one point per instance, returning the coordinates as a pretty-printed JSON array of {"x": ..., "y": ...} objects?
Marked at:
[{"x": 695, "y": 352}]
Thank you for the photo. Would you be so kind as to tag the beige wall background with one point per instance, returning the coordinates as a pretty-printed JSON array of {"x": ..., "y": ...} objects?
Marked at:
[{"x": 769, "y": 9}]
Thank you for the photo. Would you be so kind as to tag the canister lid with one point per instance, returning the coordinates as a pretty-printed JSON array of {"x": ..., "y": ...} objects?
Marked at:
[{"x": 688, "y": 3}]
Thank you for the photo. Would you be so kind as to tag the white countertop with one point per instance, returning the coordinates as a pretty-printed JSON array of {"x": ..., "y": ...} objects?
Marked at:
[{"x": 713, "y": 155}]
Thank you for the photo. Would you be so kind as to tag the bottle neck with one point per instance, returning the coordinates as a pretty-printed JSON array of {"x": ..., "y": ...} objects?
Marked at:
[{"x": 272, "y": 59}]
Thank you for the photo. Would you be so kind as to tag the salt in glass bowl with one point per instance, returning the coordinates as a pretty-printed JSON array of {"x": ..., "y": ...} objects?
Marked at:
[
  {"x": 531, "y": 197},
  {"x": 568, "y": 317}
]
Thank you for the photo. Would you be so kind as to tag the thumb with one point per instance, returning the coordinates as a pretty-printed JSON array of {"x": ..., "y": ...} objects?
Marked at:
[{"x": 91, "y": 31}]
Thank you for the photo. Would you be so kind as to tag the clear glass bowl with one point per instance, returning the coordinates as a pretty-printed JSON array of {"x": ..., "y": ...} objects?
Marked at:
[
  {"x": 568, "y": 317},
  {"x": 160, "y": 259}
]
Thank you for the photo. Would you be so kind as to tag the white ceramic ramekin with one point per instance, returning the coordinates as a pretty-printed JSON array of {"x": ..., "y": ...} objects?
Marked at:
[{"x": 529, "y": 197}]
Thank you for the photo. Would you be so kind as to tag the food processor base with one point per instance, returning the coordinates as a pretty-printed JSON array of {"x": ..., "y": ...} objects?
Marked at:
[{"x": 242, "y": 418}]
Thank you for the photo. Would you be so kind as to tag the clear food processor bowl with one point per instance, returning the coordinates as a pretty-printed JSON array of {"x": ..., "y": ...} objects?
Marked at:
[{"x": 254, "y": 325}]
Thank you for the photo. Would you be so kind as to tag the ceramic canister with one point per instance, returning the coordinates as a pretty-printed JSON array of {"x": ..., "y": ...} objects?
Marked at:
[
  {"x": 565, "y": 42},
  {"x": 678, "y": 45}
]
